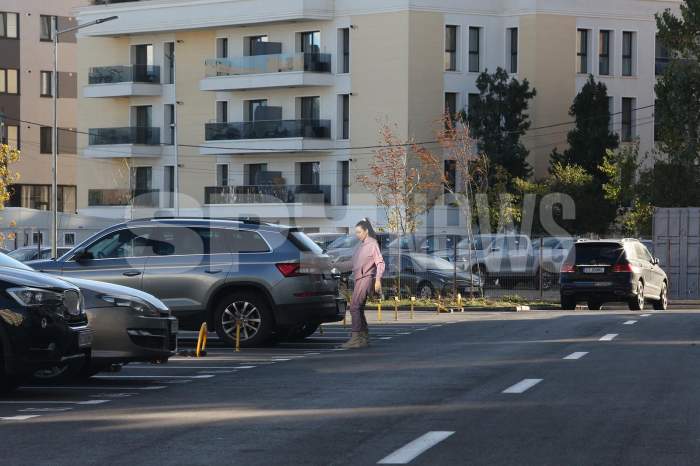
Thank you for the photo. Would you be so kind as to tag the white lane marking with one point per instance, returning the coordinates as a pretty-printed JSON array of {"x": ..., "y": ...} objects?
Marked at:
[
  {"x": 629, "y": 322},
  {"x": 19, "y": 418},
  {"x": 404, "y": 333},
  {"x": 281, "y": 360},
  {"x": 522, "y": 386},
  {"x": 385, "y": 338},
  {"x": 576, "y": 355},
  {"x": 216, "y": 372},
  {"x": 312, "y": 354},
  {"x": 52, "y": 402},
  {"x": 113, "y": 395},
  {"x": 422, "y": 329},
  {"x": 111, "y": 377},
  {"x": 609, "y": 337},
  {"x": 188, "y": 367},
  {"x": 96, "y": 387},
  {"x": 644, "y": 315},
  {"x": 412, "y": 450},
  {"x": 43, "y": 410}
]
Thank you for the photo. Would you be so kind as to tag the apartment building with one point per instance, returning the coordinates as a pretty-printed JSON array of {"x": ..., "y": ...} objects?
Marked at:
[
  {"x": 26, "y": 90},
  {"x": 270, "y": 108}
]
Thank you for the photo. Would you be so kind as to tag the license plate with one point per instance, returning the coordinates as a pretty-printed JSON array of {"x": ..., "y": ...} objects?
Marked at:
[
  {"x": 174, "y": 326},
  {"x": 594, "y": 270},
  {"x": 84, "y": 339}
]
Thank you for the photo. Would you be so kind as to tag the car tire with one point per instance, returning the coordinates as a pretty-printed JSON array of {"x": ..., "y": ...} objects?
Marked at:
[
  {"x": 301, "y": 332},
  {"x": 425, "y": 290},
  {"x": 595, "y": 305},
  {"x": 58, "y": 374},
  {"x": 662, "y": 303},
  {"x": 568, "y": 303},
  {"x": 258, "y": 325},
  {"x": 636, "y": 303}
]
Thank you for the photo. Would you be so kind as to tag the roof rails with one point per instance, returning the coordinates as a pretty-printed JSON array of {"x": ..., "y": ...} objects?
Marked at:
[{"x": 246, "y": 220}]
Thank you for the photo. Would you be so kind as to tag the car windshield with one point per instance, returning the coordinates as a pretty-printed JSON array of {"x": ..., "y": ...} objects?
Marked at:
[
  {"x": 304, "y": 243},
  {"x": 7, "y": 261},
  {"x": 23, "y": 255},
  {"x": 433, "y": 263},
  {"x": 596, "y": 253}
]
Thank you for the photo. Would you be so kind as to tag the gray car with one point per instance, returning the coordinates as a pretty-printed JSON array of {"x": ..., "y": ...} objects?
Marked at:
[
  {"x": 268, "y": 279},
  {"x": 31, "y": 253}
]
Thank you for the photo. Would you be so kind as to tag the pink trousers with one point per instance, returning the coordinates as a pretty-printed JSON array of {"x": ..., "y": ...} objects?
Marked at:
[{"x": 363, "y": 288}]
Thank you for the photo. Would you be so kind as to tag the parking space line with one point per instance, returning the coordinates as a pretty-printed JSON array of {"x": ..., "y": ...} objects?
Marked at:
[
  {"x": 629, "y": 322},
  {"x": 110, "y": 377},
  {"x": 609, "y": 337},
  {"x": 89, "y": 387},
  {"x": 576, "y": 355},
  {"x": 412, "y": 450},
  {"x": 19, "y": 418},
  {"x": 522, "y": 386},
  {"x": 188, "y": 367},
  {"x": 644, "y": 315},
  {"x": 52, "y": 402}
]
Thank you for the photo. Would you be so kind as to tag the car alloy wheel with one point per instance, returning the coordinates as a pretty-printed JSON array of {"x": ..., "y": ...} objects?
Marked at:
[
  {"x": 425, "y": 291},
  {"x": 249, "y": 316},
  {"x": 662, "y": 303}
]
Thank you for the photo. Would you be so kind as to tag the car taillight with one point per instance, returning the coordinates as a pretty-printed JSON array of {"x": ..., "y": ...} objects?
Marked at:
[
  {"x": 625, "y": 267},
  {"x": 289, "y": 269},
  {"x": 568, "y": 268}
]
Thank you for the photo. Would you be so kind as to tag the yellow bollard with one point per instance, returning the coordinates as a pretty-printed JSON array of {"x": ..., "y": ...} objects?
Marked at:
[
  {"x": 459, "y": 299},
  {"x": 413, "y": 304},
  {"x": 396, "y": 308},
  {"x": 238, "y": 336},
  {"x": 202, "y": 340},
  {"x": 379, "y": 311}
]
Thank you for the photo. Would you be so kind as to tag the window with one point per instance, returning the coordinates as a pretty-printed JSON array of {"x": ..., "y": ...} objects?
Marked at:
[
  {"x": 9, "y": 81},
  {"x": 451, "y": 103},
  {"x": 222, "y": 174},
  {"x": 345, "y": 116},
  {"x": 310, "y": 42},
  {"x": 513, "y": 50},
  {"x": 627, "y": 119},
  {"x": 474, "y": 49},
  {"x": 169, "y": 110},
  {"x": 45, "y": 140},
  {"x": 69, "y": 239},
  {"x": 310, "y": 108},
  {"x": 46, "y": 84},
  {"x": 253, "y": 172},
  {"x": 141, "y": 180},
  {"x": 169, "y": 185},
  {"x": 222, "y": 47},
  {"x": 450, "y": 48},
  {"x": 253, "y": 107},
  {"x": 627, "y": 53},
  {"x": 169, "y": 62},
  {"x": 11, "y": 136},
  {"x": 136, "y": 242},
  {"x": 46, "y": 27},
  {"x": 611, "y": 112},
  {"x": 344, "y": 182},
  {"x": 309, "y": 173},
  {"x": 663, "y": 57},
  {"x": 222, "y": 111},
  {"x": 9, "y": 25},
  {"x": 345, "y": 50},
  {"x": 450, "y": 176},
  {"x": 473, "y": 101},
  {"x": 604, "y": 53},
  {"x": 582, "y": 51}
]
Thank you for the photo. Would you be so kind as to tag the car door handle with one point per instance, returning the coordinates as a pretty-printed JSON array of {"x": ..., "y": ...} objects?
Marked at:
[
  {"x": 213, "y": 271},
  {"x": 132, "y": 273}
]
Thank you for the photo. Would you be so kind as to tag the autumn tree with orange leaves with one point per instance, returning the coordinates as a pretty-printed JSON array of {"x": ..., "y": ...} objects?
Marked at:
[{"x": 8, "y": 156}]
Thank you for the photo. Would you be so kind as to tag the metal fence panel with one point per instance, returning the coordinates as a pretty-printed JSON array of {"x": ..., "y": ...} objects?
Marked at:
[{"x": 677, "y": 245}]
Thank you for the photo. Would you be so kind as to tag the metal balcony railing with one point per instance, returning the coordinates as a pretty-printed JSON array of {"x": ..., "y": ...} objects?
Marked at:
[
  {"x": 146, "y": 135},
  {"x": 261, "y": 64},
  {"x": 268, "y": 194},
  {"x": 123, "y": 198},
  {"x": 124, "y": 74},
  {"x": 268, "y": 129}
]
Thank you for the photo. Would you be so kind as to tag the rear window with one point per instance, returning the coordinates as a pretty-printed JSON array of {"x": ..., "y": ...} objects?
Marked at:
[
  {"x": 304, "y": 243},
  {"x": 596, "y": 253}
]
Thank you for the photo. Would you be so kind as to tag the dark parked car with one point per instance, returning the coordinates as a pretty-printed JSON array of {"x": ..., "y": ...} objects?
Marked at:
[
  {"x": 425, "y": 276},
  {"x": 325, "y": 239},
  {"x": 269, "y": 278},
  {"x": 31, "y": 253},
  {"x": 43, "y": 324},
  {"x": 603, "y": 271}
]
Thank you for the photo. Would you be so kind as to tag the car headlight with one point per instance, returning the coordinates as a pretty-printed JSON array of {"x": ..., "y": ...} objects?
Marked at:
[
  {"x": 34, "y": 297},
  {"x": 131, "y": 302}
]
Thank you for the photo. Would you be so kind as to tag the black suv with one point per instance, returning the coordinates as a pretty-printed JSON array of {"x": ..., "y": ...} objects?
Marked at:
[
  {"x": 270, "y": 279},
  {"x": 603, "y": 271},
  {"x": 43, "y": 324}
]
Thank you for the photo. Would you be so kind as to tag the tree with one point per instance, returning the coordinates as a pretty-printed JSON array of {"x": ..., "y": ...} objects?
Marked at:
[
  {"x": 8, "y": 156},
  {"x": 591, "y": 136},
  {"x": 499, "y": 118}
]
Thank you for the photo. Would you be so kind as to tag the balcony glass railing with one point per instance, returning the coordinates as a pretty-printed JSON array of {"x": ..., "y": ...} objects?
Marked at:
[
  {"x": 268, "y": 194},
  {"x": 129, "y": 135},
  {"x": 260, "y": 64},
  {"x": 123, "y": 197},
  {"x": 268, "y": 129},
  {"x": 124, "y": 74}
]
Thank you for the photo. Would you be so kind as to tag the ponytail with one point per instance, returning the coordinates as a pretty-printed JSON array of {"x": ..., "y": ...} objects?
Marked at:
[{"x": 366, "y": 225}]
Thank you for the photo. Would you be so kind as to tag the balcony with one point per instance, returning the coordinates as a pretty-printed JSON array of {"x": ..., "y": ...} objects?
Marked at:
[
  {"x": 267, "y": 71},
  {"x": 123, "y": 198},
  {"x": 268, "y": 194},
  {"x": 123, "y": 81},
  {"x": 130, "y": 141},
  {"x": 271, "y": 135}
]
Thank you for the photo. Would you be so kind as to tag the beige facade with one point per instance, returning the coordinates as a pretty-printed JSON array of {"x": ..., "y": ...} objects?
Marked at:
[{"x": 397, "y": 74}]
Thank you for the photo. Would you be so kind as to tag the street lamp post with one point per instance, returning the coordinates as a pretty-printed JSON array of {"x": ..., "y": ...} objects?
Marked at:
[{"x": 54, "y": 132}]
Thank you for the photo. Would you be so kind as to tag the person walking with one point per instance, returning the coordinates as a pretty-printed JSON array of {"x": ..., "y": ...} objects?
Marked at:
[{"x": 367, "y": 269}]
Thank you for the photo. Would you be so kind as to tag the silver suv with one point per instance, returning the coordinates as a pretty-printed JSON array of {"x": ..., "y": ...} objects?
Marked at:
[{"x": 273, "y": 279}]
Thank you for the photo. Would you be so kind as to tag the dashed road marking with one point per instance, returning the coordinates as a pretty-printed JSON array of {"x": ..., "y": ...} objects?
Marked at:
[
  {"x": 576, "y": 355},
  {"x": 412, "y": 450},
  {"x": 52, "y": 402},
  {"x": 111, "y": 377},
  {"x": 43, "y": 410},
  {"x": 522, "y": 386},
  {"x": 19, "y": 418},
  {"x": 609, "y": 337},
  {"x": 189, "y": 367},
  {"x": 88, "y": 387},
  {"x": 629, "y": 322},
  {"x": 644, "y": 315}
]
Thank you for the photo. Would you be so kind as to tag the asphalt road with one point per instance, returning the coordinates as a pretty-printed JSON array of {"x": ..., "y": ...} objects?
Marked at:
[{"x": 529, "y": 388}]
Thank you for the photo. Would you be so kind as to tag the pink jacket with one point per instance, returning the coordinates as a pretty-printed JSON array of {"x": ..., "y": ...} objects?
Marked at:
[{"x": 367, "y": 260}]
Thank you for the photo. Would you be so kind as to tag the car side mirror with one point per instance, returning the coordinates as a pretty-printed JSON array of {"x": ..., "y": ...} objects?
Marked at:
[{"x": 81, "y": 255}]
